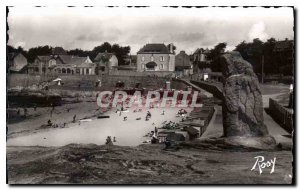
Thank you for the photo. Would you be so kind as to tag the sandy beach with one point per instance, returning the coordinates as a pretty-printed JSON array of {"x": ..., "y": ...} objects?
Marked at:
[{"x": 127, "y": 133}]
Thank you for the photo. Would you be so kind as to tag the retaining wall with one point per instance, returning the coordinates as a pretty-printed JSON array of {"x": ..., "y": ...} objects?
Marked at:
[{"x": 86, "y": 82}]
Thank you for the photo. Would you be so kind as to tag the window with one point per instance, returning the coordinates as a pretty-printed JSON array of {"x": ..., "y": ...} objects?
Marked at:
[
  {"x": 58, "y": 70},
  {"x": 68, "y": 70},
  {"x": 161, "y": 58},
  {"x": 87, "y": 71},
  {"x": 77, "y": 71},
  {"x": 143, "y": 58},
  {"x": 161, "y": 66},
  {"x": 152, "y": 58},
  {"x": 52, "y": 63},
  {"x": 63, "y": 70}
]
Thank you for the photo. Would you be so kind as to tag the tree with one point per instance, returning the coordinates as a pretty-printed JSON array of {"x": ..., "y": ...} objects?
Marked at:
[
  {"x": 36, "y": 51},
  {"x": 255, "y": 51},
  {"x": 243, "y": 48},
  {"x": 105, "y": 47},
  {"x": 270, "y": 64},
  {"x": 214, "y": 55},
  {"x": 120, "y": 52},
  {"x": 79, "y": 52},
  {"x": 10, "y": 49}
]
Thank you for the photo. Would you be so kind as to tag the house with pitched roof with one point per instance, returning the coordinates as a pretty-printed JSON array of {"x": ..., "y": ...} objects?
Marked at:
[
  {"x": 74, "y": 65},
  {"x": 183, "y": 64},
  {"x": 17, "y": 62},
  {"x": 200, "y": 60},
  {"x": 41, "y": 64},
  {"x": 156, "y": 57},
  {"x": 105, "y": 62},
  {"x": 62, "y": 64}
]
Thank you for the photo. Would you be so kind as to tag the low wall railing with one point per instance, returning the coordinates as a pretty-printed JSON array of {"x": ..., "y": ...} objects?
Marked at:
[{"x": 281, "y": 115}]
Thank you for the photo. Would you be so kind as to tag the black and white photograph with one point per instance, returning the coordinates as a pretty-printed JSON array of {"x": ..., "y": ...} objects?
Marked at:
[{"x": 150, "y": 95}]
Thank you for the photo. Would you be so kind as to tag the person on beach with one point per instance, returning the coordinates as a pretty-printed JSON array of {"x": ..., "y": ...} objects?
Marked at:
[
  {"x": 125, "y": 118},
  {"x": 163, "y": 113},
  {"x": 74, "y": 118},
  {"x": 25, "y": 112},
  {"x": 114, "y": 139},
  {"x": 49, "y": 122},
  {"x": 155, "y": 131},
  {"x": 148, "y": 114},
  {"x": 167, "y": 143},
  {"x": 154, "y": 139},
  {"x": 108, "y": 140}
]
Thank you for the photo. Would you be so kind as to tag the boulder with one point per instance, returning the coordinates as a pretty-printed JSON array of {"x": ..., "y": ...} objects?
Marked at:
[{"x": 242, "y": 106}]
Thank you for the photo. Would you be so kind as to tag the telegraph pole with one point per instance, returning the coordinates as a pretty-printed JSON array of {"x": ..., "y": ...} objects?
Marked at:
[{"x": 262, "y": 69}]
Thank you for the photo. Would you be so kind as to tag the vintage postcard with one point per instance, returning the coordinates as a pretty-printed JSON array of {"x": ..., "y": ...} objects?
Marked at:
[{"x": 150, "y": 95}]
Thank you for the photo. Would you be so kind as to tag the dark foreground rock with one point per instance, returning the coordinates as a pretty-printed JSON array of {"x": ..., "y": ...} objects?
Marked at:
[
  {"x": 145, "y": 164},
  {"x": 242, "y": 106},
  {"x": 33, "y": 98}
]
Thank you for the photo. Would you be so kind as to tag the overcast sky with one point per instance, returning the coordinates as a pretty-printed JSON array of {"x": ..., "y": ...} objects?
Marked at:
[{"x": 188, "y": 29}]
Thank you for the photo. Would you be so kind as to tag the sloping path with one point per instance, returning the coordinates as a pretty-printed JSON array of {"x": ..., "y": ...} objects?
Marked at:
[{"x": 196, "y": 87}]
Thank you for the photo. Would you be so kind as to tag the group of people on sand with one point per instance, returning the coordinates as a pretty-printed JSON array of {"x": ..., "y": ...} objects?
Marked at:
[
  {"x": 153, "y": 135},
  {"x": 155, "y": 139},
  {"x": 25, "y": 111},
  {"x": 55, "y": 125},
  {"x": 137, "y": 110},
  {"x": 182, "y": 113},
  {"x": 109, "y": 141}
]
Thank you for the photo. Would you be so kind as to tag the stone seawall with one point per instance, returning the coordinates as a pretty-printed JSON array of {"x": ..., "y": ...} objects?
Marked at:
[{"x": 87, "y": 82}]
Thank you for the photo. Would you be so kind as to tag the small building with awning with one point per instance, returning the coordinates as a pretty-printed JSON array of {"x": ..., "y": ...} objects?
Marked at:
[{"x": 151, "y": 65}]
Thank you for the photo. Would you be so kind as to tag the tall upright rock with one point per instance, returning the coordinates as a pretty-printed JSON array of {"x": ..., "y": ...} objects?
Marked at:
[{"x": 242, "y": 105}]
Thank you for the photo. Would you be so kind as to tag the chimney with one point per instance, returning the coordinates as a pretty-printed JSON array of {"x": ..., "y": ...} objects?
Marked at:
[{"x": 171, "y": 47}]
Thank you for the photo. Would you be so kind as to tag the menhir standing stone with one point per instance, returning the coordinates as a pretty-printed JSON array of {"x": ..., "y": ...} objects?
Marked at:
[{"x": 242, "y": 106}]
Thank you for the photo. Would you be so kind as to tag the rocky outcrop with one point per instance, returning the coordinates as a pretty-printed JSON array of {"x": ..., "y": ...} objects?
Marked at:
[{"x": 242, "y": 105}]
